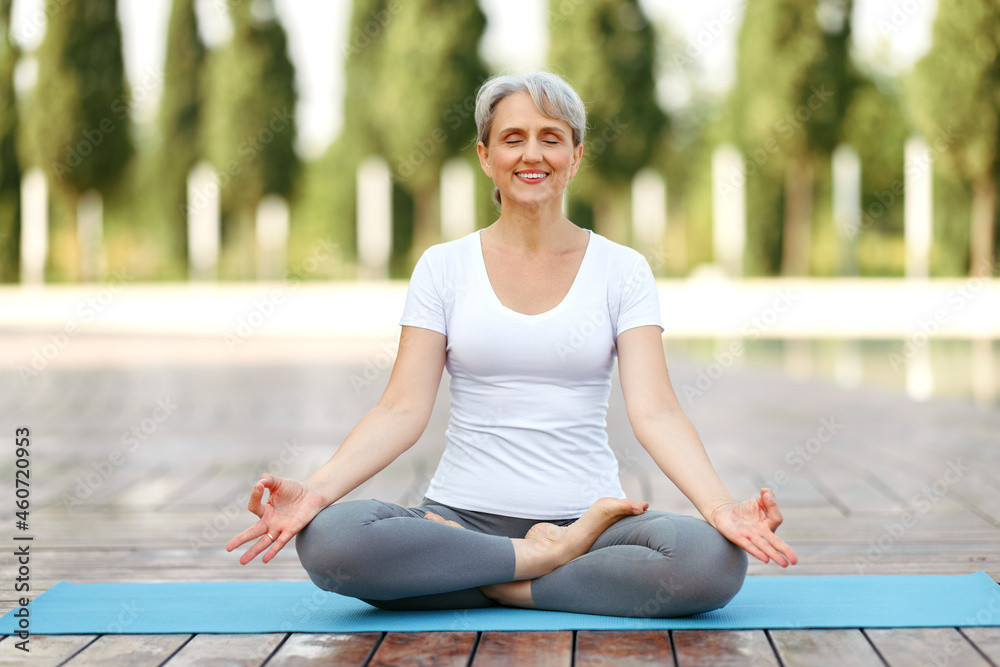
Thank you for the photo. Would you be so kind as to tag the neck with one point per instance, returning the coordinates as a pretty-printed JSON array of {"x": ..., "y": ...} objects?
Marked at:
[{"x": 534, "y": 229}]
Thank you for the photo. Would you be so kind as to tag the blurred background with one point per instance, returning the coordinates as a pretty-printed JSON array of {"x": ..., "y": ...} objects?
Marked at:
[
  {"x": 209, "y": 210},
  {"x": 844, "y": 146}
]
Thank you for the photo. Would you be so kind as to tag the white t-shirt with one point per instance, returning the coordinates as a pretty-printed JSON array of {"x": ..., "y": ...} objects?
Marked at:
[{"x": 529, "y": 393}]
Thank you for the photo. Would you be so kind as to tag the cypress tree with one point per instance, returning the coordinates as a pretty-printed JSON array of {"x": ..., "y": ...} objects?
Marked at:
[
  {"x": 81, "y": 108},
  {"x": 607, "y": 49},
  {"x": 250, "y": 122},
  {"x": 10, "y": 169},
  {"x": 954, "y": 99},
  {"x": 181, "y": 112},
  {"x": 420, "y": 98},
  {"x": 794, "y": 85}
]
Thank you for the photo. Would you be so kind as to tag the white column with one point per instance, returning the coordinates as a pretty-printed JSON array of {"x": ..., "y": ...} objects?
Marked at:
[
  {"x": 203, "y": 223},
  {"x": 649, "y": 213},
  {"x": 920, "y": 374},
  {"x": 728, "y": 208},
  {"x": 374, "y": 219},
  {"x": 984, "y": 381},
  {"x": 90, "y": 234},
  {"x": 34, "y": 227},
  {"x": 918, "y": 207},
  {"x": 847, "y": 205},
  {"x": 458, "y": 203},
  {"x": 272, "y": 238}
]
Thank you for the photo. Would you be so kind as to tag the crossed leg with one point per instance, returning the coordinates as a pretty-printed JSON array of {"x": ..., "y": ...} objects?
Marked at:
[{"x": 653, "y": 564}]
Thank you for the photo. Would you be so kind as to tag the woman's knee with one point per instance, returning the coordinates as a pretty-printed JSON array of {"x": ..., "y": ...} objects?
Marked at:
[
  {"x": 711, "y": 576},
  {"x": 700, "y": 571},
  {"x": 329, "y": 547}
]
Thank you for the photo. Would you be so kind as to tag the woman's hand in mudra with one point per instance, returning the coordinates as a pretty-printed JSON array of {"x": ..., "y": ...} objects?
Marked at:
[
  {"x": 289, "y": 507},
  {"x": 751, "y": 525}
]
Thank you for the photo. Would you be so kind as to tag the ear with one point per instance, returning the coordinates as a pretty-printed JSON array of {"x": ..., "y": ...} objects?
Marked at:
[
  {"x": 577, "y": 158},
  {"x": 484, "y": 159}
]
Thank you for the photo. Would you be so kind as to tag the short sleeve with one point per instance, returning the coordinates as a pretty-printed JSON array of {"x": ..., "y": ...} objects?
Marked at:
[
  {"x": 639, "y": 304},
  {"x": 424, "y": 306}
]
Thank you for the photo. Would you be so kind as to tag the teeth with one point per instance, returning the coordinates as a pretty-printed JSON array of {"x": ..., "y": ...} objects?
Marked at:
[{"x": 533, "y": 176}]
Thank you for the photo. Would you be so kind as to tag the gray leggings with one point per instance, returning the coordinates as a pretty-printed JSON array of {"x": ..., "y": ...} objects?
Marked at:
[{"x": 652, "y": 565}]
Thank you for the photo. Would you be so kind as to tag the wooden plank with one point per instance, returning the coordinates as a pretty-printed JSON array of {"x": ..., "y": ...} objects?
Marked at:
[
  {"x": 628, "y": 648},
  {"x": 524, "y": 649},
  {"x": 303, "y": 649},
  {"x": 227, "y": 650},
  {"x": 131, "y": 650},
  {"x": 424, "y": 649},
  {"x": 730, "y": 648},
  {"x": 824, "y": 648},
  {"x": 986, "y": 640},
  {"x": 44, "y": 650},
  {"x": 931, "y": 646}
]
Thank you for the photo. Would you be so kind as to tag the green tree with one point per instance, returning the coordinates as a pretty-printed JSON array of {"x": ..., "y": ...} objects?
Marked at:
[
  {"x": 10, "y": 168},
  {"x": 607, "y": 49},
  {"x": 424, "y": 73},
  {"x": 954, "y": 99},
  {"x": 181, "y": 112},
  {"x": 250, "y": 123},
  {"x": 876, "y": 127},
  {"x": 794, "y": 84},
  {"x": 80, "y": 111}
]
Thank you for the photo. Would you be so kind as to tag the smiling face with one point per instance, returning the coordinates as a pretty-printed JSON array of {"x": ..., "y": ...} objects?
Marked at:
[{"x": 530, "y": 156}]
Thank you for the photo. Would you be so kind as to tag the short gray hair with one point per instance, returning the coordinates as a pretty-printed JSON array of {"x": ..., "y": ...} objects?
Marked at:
[{"x": 553, "y": 96}]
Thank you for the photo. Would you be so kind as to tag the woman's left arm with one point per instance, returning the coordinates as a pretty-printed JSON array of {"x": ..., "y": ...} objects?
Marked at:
[{"x": 668, "y": 435}]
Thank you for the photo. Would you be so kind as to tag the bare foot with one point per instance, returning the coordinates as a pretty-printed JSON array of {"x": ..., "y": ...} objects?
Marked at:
[{"x": 547, "y": 546}]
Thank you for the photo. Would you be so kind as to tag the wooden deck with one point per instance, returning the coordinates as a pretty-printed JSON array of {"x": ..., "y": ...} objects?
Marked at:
[{"x": 870, "y": 483}]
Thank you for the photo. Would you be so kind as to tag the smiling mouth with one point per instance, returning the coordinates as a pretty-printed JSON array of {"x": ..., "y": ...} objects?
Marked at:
[{"x": 532, "y": 176}]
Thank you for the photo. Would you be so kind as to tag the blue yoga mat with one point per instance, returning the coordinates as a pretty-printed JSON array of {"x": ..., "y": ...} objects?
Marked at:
[{"x": 250, "y": 607}]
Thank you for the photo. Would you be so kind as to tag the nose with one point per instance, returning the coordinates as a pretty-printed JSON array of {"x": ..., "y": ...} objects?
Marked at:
[{"x": 532, "y": 150}]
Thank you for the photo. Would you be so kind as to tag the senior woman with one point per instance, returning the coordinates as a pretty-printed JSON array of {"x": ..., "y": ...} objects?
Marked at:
[{"x": 525, "y": 508}]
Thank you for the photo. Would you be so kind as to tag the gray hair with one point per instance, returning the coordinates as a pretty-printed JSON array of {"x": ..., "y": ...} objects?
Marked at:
[{"x": 551, "y": 94}]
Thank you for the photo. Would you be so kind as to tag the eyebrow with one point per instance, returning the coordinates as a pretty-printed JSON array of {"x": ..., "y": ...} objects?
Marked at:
[{"x": 557, "y": 130}]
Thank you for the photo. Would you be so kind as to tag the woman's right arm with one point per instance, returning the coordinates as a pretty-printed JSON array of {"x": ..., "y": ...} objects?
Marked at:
[
  {"x": 386, "y": 431},
  {"x": 394, "y": 424}
]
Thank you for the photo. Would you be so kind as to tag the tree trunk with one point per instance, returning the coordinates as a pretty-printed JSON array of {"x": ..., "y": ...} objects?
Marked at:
[
  {"x": 426, "y": 221},
  {"x": 982, "y": 238},
  {"x": 611, "y": 219},
  {"x": 798, "y": 217}
]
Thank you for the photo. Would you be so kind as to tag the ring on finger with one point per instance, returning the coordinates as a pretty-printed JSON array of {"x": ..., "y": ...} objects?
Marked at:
[{"x": 272, "y": 537}]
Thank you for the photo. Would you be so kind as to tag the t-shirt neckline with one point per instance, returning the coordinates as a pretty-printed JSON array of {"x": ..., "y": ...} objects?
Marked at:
[{"x": 484, "y": 277}]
